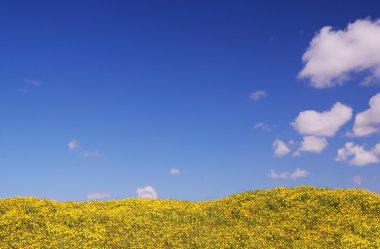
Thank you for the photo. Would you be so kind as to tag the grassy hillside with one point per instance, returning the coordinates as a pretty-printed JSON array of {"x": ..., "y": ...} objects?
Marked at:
[{"x": 302, "y": 217}]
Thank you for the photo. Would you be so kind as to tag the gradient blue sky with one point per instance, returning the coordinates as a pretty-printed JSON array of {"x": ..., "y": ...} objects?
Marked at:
[{"x": 141, "y": 87}]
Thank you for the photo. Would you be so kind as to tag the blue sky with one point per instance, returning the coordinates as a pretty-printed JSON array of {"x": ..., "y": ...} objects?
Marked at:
[{"x": 191, "y": 100}]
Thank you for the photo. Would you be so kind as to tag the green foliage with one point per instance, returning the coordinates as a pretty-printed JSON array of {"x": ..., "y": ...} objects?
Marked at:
[{"x": 303, "y": 217}]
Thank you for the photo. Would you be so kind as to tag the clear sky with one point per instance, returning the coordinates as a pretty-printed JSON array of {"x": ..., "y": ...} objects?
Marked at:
[{"x": 191, "y": 100}]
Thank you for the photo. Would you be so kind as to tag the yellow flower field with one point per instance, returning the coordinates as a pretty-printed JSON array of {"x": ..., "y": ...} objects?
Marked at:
[{"x": 303, "y": 217}]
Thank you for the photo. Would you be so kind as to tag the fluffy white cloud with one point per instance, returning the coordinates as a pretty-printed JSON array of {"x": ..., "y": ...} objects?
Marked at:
[
  {"x": 357, "y": 155},
  {"x": 175, "y": 171},
  {"x": 257, "y": 95},
  {"x": 98, "y": 196},
  {"x": 280, "y": 148},
  {"x": 313, "y": 144},
  {"x": 73, "y": 144},
  {"x": 333, "y": 55},
  {"x": 298, "y": 173},
  {"x": 147, "y": 192},
  {"x": 322, "y": 124},
  {"x": 357, "y": 180},
  {"x": 368, "y": 122}
]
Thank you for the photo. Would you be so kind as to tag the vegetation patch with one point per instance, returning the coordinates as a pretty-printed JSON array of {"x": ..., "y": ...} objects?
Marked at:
[{"x": 303, "y": 217}]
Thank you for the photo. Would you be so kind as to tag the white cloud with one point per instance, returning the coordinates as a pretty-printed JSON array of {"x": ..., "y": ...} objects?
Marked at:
[
  {"x": 298, "y": 173},
  {"x": 258, "y": 95},
  {"x": 357, "y": 155},
  {"x": 73, "y": 144},
  {"x": 296, "y": 153},
  {"x": 175, "y": 171},
  {"x": 98, "y": 196},
  {"x": 333, "y": 56},
  {"x": 274, "y": 175},
  {"x": 147, "y": 192},
  {"x": 313, "y": 144},
  {"x": 262, "y": 126},
  {"x": 292, "y": 142},
  {"x": 280, "y": 148},
  {"x": 376, "y": 149},
  {"x": 357, "y": 180},
  {"x": 322, "y": 124},
  {"x": 368, "y": 122}
]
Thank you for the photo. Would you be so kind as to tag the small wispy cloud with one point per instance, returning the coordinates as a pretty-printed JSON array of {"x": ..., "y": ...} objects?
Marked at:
[
  {"x": 147, "y": 192},
  {"x": 357, "y": 180},
  {"x": 298, "y": 173},
  {"x": 28, "y": 84},
  {"x": 95, "y": 153},
  {"x": 296, "y": 153},
  {"x": 175, "y": 171},
  {"x": 33, "y": 82},
  {"x": 258, "y": 95},
  {"x": 73, "y": 145},
  {"x": 262, "y": 126},
  {"x": 97, "y": 196}
]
